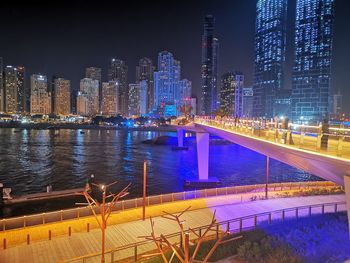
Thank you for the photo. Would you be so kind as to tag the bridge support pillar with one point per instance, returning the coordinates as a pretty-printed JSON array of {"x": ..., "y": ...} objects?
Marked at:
[
  {"x": 180, "y": 137},
  {"x": 202, "y": 139},
  {"x": 347, "y": 194}
]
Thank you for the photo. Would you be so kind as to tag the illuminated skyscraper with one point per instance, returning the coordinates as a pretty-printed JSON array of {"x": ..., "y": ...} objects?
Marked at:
[
  {"x": 210, "y": 45},
  {"x": 88, "y": 99},
  {"x": 270, "y": 46},
  {"x": 184, "y": 92},
  {"x": 134, "y": 99},
  {"x": 313, "y": 57},
  {"x": 14, "y": 89},
  {"x": 231, "y": 93},
  {"x": 166, "y": 79},
  {"x": 62, "y": 96},
  {"x": 144, "y": 71},
  {"x": 40, "y": 98},
  {"x": 110, "y": 96},
  {"x": 95, "y": 74},
  {"x": 118, "y": 71}
]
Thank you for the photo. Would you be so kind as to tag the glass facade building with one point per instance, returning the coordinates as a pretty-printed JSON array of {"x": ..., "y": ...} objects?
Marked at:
[
  {"x": 270, "y": 46},
  {"x": 313, "y": 57},
  {"x": 210, "y": 48}
]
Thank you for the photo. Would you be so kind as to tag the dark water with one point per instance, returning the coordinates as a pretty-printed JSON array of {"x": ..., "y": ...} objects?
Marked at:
[{"x": 32, "y": 159}]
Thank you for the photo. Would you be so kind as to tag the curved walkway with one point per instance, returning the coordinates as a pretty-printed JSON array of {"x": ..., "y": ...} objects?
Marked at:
[{"x": 79, "y": 244}]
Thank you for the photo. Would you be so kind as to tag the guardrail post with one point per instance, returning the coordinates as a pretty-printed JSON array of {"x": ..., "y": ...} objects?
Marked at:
[
  {"x": 4, "y": 243},
  {"x": 322, "y": 209},
  {"x": 335, "y": 208},
  {"x": 172, "y": 197},
  {"x": 282, "y": 215},
  {"x": 3, "y": 225},
  {"x": 24, "y": 221},
  {"x": 43, "y": 218},
  {"x": 135, "y": 253},
  {"x": 78, "y": 212},
  {"x": 310, "y": 210},
  {"x": 61, "y": 213},
  {"x": 69, "y": 231},
  {"x": 269, "y": 219},
  {"x": 228, "y": 227},
  {"x": 297, "y": 212},
  {"x": 240, "y": 225},
  {"x": 255, "y": 221},
  {"x": 28, "y": 239},
  {"x": 49, "y": 234},
  {"x": 88, "y": 227}
]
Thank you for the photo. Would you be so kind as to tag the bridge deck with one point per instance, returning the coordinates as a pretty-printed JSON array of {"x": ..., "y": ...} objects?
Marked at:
[{"x": 79, "y": 244}]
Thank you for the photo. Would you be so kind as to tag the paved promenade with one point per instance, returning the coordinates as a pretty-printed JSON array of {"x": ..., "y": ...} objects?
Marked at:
[{"x": 227, "y": 207}]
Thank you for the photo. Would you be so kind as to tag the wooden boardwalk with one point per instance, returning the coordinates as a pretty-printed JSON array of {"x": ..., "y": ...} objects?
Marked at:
[{"x": 79, "y": 244}]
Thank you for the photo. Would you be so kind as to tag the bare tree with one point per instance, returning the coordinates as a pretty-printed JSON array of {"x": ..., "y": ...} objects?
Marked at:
[
  {"x": 181, "y": 252},
  {"x": 105, "y": 208}
]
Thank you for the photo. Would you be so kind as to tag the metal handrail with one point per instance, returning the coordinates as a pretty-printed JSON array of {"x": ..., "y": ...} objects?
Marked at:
[
  {"x": 75, "y": 213},
  {"x": 226, "y": 222}
]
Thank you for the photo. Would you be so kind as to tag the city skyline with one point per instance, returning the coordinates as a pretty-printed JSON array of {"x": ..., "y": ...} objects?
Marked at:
[
  {"x": 196, "y": 83},
  {"x": 238, "y": 51}
]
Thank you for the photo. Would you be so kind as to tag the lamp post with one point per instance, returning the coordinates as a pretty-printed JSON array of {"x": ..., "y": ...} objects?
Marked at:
[
  {"x": 104, "y": 208},
  {"x": 144, "y": 190}
]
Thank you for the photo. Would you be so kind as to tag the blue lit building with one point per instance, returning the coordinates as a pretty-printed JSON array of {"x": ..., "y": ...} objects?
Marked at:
[
  {"x": 270, "y": 46},
  {"x": 313, "y": 57},
  {"x": 164, "y": 83},
  {"x": 210, "y": 48}
]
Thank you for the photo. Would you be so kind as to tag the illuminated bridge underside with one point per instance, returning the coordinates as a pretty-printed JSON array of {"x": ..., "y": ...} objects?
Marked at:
[{"x": 327, "y": 167}]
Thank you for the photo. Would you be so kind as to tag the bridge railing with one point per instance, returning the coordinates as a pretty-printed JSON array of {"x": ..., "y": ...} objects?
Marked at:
[
  {"x": 336, "y": 142},
  {"x": 79, "y": 212},
  {"x": 134, "y": 251}
]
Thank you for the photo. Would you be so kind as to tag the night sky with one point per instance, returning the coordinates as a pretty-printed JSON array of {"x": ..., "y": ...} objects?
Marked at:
[{"x": 64, "y": 38}]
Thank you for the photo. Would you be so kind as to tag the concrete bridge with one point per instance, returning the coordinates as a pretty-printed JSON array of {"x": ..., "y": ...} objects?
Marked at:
[{"x": 321, "y": 152}]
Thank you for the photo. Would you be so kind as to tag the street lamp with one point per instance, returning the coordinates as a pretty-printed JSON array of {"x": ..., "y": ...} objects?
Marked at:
[{"x": 105, "y": 208}]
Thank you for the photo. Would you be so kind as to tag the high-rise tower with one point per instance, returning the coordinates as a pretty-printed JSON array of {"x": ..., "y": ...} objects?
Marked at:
[
  {"x": 270, "y": 46},
  {"x": 118, "y": 72},
  {"x": 313, "y": 57},
  {"x": 210, "y": 46},
  {"x": 144, "y": 71}
]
